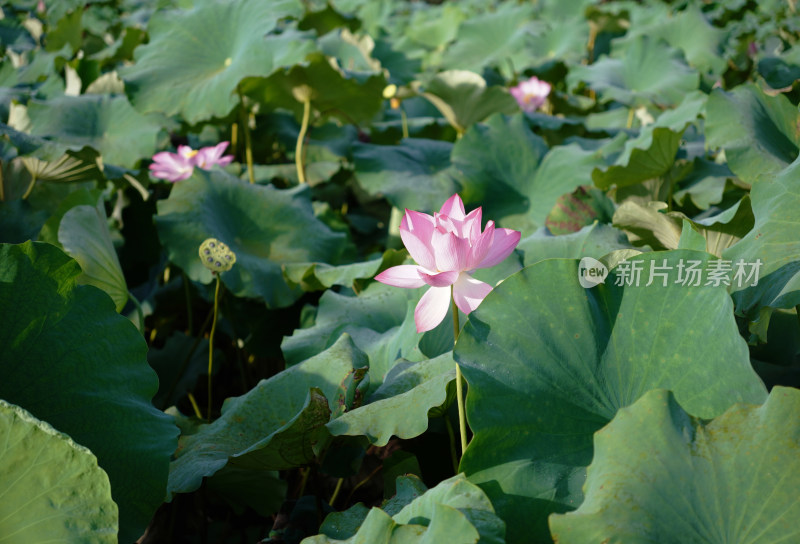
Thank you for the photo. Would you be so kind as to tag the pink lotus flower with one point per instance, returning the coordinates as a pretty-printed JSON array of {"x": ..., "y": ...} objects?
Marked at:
[
  {"x": 179, "y": 166},
  {"x": 447, "y": 248},
  {"x": 531, "y": 94},
  {"x": 209, "y": 156}
]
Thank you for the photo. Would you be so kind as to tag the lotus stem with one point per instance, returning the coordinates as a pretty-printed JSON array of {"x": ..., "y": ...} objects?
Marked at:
[
  {"x": 629, "y": 124},
  {"x": 298, "y": 150},
  {"x": 404, "y": 119},
  {"x": 211, "y": 343},
  {"x": 234, "y": 138},
  {"x": 139, "y": 311},
  {"x": 248, "y": 150},
  {"x": 462, "y": 418},
  {"x": 30, "y": 187},
  {"x": 797, "y": 311},
  {"x": 195, "y": 407},
  {"x": 452, "y": 436},
  {"x": 336, "y": 491}
]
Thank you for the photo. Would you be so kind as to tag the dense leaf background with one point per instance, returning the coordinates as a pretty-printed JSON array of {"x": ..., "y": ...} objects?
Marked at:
[{"x": 671, "y": 135}]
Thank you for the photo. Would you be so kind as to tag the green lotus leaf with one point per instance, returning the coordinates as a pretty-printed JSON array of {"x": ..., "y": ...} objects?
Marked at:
[
  {"x": 652, "y": 153},
  {"x": 688, "y": 30},
  {"x": 464, "y": 98},
  {"x": 352, "y": 98},
  {"x": 582, "y": 207},
  {"x": 196, "y": 58},
  {"x": 84, "y": 235},
  {"x": 497, "y": 39},
  {"x": 772, "y": 241},
  {"x": 320, "y": 276},
  {"x": 435, "y": 27},
  {"x": 380, "y": 320},
  {"x": 646, "y": 71},
  {"x": 591, "y": 241},
  {"x": 778, "y": 73},
  {"x": 108, "y": 124},
  {"x": 758, "y": 132},
  {"x": 14, "y": 142},
  {"x": 72, "y": 361},
  {"x": 54, "y": 489},
  {"x": 506, "y": 168},
  {"x": 662, "y": 475},
  {"x": 549, "y": 363},
  {"x": 455, "y": 511},
  {"x": 265, "y": 227},
  {"x": 275, "y": 425},
  {"x": 414, "y": 174},
  {"x": 399, "y": 407}
]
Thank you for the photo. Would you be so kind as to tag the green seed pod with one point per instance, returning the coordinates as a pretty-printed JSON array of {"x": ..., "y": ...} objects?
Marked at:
[{"x": 216, "y": 256}]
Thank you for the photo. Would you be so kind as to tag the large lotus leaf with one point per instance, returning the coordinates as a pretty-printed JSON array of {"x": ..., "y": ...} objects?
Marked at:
[
  {"x": 380, "y": 320},
  {"x": 774, "y": 242},
  {"x": 646, "y": 71},
  {"x": 108, "y": 124},
  {"x": 455, "y": 511},
  {"x": 399, "y": 407},
  {"x": 276, "y": 424},
  {"x": 436, "y": 26},
  {"x": 196, "y": 58},
  {"x": 506, "y": 168},
  {"x": 84, "y": 235},
  {"x": 594, "y": 241},
  {"x": 333, "y": 92},
  {"x": 266, "y": 227},
  {"x": 497, "y": 39},
  {"x": 53, "y": 490},
  {"x": 464, "y": 98},
  {"x": 413, "y": 174},
  {"x": 759, "y": 133},
  {"x": 689, "y": 31},
  {"x": 72, "y": 361},
  {"x": 549, "y": 363},
  {"x": 661, "y": 475},
  {"x": 558, "y": 40},
  {"x": 320, "y": 276},
  {"x": 652, "y": 153},
  {"x": 14, "y": 142}
]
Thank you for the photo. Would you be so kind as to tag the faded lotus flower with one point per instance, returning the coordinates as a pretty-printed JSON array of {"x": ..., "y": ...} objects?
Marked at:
[
  {"x": 447, "y": 248},
  {"x": 179, "y": 166},
  {"x": 531, "y": 94}
]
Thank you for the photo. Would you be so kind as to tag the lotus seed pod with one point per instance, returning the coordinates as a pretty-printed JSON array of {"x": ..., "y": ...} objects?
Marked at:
[{"x": 216, "y": 256}]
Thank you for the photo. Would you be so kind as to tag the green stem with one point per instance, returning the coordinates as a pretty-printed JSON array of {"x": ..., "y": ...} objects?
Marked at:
[
  {"x": 211, "y": 344},
  {"x": 462, "y": 418},
  {"x": 404, "y": 119},
  {"x": 797, "y": 311},
  {"x": 139, "y": 311},
  {"x": 336, "y": 491},
  {"x": 452, "y": 436},
  {"x": 298, "y": 150},
  {"x": 629, "y": 124},
  {"x": 188, "y": 294},
  {"x": 30, "y": 187},
  {"x": 248, "y": 149}
]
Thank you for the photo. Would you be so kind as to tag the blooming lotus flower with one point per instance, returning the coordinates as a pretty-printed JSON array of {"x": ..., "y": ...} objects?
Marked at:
[
  {"x": 531, "y": 94},
  {"x": 447, "y": 248},
  {"x": 179, "y": 166},
  {"x": 210, "y": 156}
]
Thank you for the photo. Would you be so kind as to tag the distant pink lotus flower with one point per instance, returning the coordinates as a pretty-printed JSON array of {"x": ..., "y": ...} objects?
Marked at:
[
  {"x": 209, "y": 156},
  {"x": 179, "y": 166},
  {"x": 531, "y": 94},
  {"x": 447, "y": 248}
]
